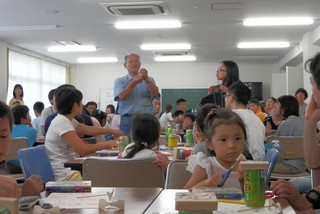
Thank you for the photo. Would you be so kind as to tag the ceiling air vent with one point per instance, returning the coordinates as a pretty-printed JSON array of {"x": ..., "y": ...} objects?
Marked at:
[
  {"x": 136, "y": 8},
  {"x": 171, "y": 53}
]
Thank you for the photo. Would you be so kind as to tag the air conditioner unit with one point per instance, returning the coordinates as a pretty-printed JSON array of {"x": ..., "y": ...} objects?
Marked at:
[{"x": 136, "y": 8}]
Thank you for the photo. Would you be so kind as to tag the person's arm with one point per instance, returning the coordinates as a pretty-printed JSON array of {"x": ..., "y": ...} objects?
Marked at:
[
  {"x": 286, "y": 190},
  {"x": 32, "y": 186},
  {"x": 126, "y": 91},
  {"x": 200, "y": 179},
  {"x": 83, "y": 149},
  {"x": 310, "y": 143},
  {"x": 92, "y": 130},
  {"x": 9, "y": 187}
]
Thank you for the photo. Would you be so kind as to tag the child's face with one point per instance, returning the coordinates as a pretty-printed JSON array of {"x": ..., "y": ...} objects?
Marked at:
[
  {"x": 187, "y": 123},
  {"x": 227, "y": 142},
  {"x": 5, "y": 137}
]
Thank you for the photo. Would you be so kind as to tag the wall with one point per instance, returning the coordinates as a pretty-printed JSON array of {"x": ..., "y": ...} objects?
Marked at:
[{"x": 90, "y": 78}]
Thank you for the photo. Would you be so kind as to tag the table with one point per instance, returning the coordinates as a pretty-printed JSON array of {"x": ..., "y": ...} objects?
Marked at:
[
  {"x": 165, "y": 203},
  {"x": 137, "y": 200}
]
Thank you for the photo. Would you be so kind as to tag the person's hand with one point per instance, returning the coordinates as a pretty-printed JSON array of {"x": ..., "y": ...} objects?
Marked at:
[
  {"x": 213, "y": 181},
  {"x": 9, "y": 187},
  {"x": 285, "y": 189},
  {"x": 162, "y": 161},
  {"x": 224, "y": 89},
  {"x": 112, "y": 144},
  {"x": 144, "y": 73},
  {"x": 137, "y": 79},
  {"x": 32, "y": 186},
  {"x": 312, "y": 113}
]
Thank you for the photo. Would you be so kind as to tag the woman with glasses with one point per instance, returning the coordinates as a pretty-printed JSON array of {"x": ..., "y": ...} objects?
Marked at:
[{"x": 227, "y": 73}]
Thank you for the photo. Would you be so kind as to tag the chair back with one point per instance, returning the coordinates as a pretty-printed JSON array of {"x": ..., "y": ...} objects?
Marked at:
[
  {"x": 272, "y": 156},
  {"x": 291, "y": 147},
  {"x": 34, "y": 161},
  {"x": 122, "y": 173},
  {"x": 177, "y": 175},
  {"x": 315, "y": 177},
  {"x": 15, "y": 145}
]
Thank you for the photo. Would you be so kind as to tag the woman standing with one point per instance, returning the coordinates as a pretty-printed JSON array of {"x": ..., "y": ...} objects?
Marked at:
[
  {"x": 17, "y": 96},
  {"x": 228, "y": 73}
]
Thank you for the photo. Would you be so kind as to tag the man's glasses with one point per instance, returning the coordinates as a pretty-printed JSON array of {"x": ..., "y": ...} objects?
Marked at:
[
  {"x": 226, "y": 95},
  {"x": 220, "y": 69}
]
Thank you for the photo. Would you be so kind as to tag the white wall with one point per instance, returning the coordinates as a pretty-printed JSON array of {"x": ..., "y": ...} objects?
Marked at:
[{"x": 91, "y": 78}]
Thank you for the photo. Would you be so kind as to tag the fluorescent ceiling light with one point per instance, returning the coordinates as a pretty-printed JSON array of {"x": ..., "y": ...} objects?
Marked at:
[
  {"x": 148, "y": 24},
  {"x": 31, "y": 27},
  {"x": 278, "y": 21},
  {"x": 263, "y": 45},
  {"x": 97, "y": 59},
  {"x": 173, "y": 46},
  {"x": 174, "y": 58},
  {"x": 72, "y": 48}
]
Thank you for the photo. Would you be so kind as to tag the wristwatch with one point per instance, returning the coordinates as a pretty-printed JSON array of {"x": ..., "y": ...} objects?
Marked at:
[{"x": 313, "y": 196}]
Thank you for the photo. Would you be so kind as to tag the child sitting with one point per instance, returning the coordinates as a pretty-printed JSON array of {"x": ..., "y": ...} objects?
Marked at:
[
  {"x": 8, "y": 185},
  {"x": 226, "y": 135},
  {"x": 145, "y": 135}
]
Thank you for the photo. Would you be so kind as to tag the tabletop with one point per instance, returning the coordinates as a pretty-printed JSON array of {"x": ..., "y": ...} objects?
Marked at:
[{"x": 165, "y": 203}]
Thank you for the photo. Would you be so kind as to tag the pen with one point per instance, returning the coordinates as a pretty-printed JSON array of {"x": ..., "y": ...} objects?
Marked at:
[{"x": 231, "y": 201}]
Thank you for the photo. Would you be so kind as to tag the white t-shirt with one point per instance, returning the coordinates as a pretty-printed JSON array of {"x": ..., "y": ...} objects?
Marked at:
[
  {"x": 165, "y": 117},
  {"x": 59, "y": 151},
  {"x": 255, "y": 133},
  {"x": 144, "y": 153}
]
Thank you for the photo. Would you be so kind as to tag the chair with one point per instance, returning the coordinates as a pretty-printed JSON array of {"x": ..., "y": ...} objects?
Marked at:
[
  {"x": 291, "y": 148},
  {"x": 177, "y": 175},
  {"x": 15, "y": 145},
  {"x": 122, "y": 173},
  {"x": 34, "y": 161}
]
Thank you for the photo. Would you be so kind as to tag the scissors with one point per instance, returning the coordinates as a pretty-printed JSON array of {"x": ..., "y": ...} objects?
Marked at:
[
  {"x": 28, "y": 207},
  {"x": 225, "y": 175}
]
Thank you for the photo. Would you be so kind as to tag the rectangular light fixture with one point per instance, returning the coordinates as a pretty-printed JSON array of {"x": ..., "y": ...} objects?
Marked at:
[
  {"x": 172, "y": 46},
  {"x": 263, "y": 45},
  {"x": 148, "y": 24},
  {"x": 278, "y": 21},
  {"x": 72, "y": 48},
  {"x": 30, "y": 27},
  {"x": 174, "y": 58},
  {"x": 97, "y": 59}
]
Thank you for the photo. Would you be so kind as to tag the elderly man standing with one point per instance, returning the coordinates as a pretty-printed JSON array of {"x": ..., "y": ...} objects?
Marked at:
[{"x": 134, "y": 92}]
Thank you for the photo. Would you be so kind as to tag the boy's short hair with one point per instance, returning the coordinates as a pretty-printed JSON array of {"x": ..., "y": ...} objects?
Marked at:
[
  {"x": 38, "y": 107},
  {"x": 168, "y": 107},
  {"x": 180, "y": 100},
  {"x": 302, "y": 90},
  {"x": 19, "y": 112},
  {"x": 254, "y": 101},
  {"x": 91, "y": 103},
  {"x": 5, "y": 112},
  {"x": 241, "y": 92},
  {"x": 66, "y": 97},
  {"x": 178, "y": 113},
  {"x": 191, "y": 116}
]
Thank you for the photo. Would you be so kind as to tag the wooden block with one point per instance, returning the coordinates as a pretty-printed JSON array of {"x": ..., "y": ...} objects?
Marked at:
[
  {"x": 196, "y": 201},
  {"x": 10, "y": 203}
]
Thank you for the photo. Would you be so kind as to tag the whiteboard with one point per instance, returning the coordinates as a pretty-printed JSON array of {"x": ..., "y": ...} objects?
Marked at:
[{"x": 106, "y": 98}]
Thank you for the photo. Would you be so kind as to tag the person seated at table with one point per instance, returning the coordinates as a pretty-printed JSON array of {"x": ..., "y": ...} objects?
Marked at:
[
  {"x": 292, "y": 125},
  {"x": 256, "y": 107},
  {"x": 8, "y": 185},
  {"x": 199, "y": 136},
  {"x": 226, "y": 135},
  {"x": 22, "y": 128},
  {"x": 286, "y": 190},
  {"x": 188, "y": 121},
  {"x": 145, "y": 135},
  {"x": 62, "y": 142},
  {"x": 178, "y": 121},
  {"x": 166, "y": 117}
]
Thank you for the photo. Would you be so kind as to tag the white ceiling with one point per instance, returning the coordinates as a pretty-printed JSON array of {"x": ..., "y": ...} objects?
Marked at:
[{"x": 213, "y": 34}]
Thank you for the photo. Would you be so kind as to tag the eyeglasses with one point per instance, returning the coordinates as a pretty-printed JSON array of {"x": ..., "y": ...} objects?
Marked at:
[
  {"x": 220, "y": 69},
  {"x": 226, "y": 95}
]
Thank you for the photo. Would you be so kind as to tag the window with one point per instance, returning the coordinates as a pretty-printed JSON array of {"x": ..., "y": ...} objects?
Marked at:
[{"x": 36, "y": 76}]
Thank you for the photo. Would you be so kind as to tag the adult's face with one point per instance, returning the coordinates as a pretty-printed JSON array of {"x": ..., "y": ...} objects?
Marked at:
[
  {"x": 91, "y": 108},
  {"x": 277, "y": 110},
  {"x": 156, "y": 106},
  {"x": 269, "y": 103},
  {"x": 221, "y": 72},
  {"x": 132, "y": 64},
  {"x": 182, "y": 106}
]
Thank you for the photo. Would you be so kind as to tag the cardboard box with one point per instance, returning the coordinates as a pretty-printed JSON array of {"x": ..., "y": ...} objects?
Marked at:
[{"x": 196, "y": 201}]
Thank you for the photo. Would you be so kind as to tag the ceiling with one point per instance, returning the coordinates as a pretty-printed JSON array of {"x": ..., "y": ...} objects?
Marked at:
[{"x": 213, "y": 34}]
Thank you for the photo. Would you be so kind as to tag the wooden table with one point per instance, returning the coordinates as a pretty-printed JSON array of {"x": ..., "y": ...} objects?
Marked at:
[
  {"x": 137, "y": 200},
  {"x": 165, "y": 203}
]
